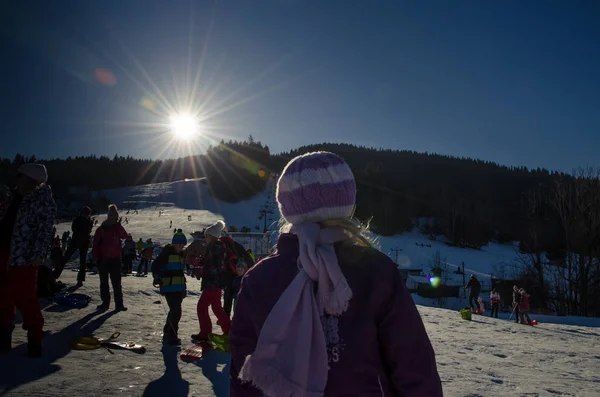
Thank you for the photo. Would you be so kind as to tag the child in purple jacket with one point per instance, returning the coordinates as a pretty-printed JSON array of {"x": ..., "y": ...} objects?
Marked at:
[{"x": 327, "y": 314}]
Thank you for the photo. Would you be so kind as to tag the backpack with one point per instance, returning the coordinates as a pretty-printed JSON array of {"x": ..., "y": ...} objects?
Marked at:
[{"x": 234, "y": 254}]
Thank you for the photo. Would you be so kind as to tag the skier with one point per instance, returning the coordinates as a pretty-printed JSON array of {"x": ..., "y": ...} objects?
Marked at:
[
  {"x": 107, "y": 254},
  {"x": 516, "y": 302},
  {"x": 167, "y": 272},
  {"x": 524, "y": 307},
  {"x": 474, "y": 289},
  {"x": 27, "y": 214},
  {"x": 128, "y": 254},
  {"x": 82, "y": 228},
  {"x": 495, "y": 301},
  {"x": 212, "y": 269},
  {"x": 328, "y": 304}
]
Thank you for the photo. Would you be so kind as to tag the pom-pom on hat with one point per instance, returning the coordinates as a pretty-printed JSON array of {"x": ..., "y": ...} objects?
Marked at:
[
  {"x": 316, "y": 187},
  {"x": 37, "y": 172},
  {"x": 215, "y": 230},
  {"x": 179, "y": 238}
]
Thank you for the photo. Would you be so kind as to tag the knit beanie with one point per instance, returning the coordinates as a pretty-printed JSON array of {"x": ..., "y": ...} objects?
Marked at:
[
  {"x": 37, "y": 172},
  {"x": 215, "y": 230},
  {"x": 316, "y": 187},
  {"x": 179, "y": 238}
]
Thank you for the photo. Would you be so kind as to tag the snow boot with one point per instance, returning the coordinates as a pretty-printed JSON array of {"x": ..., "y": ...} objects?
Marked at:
[
  {"x": 120, "y": 309},
  {"x": 198, "y": 339},
  {"x": 103, "y": 307}
]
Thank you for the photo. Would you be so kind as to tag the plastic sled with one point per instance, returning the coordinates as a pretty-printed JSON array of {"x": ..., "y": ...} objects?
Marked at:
[
  {"x": 93, "y": 343},
  {"x": 220, "y": 342},
  {"x": 195, "y": 351},
  {"x": 74, "y": 300}
]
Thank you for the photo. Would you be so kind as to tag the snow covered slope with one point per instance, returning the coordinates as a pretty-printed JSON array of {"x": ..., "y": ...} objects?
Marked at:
[
  {"x": 193, "y": 195},
  {"x": 484, "y": 357}
]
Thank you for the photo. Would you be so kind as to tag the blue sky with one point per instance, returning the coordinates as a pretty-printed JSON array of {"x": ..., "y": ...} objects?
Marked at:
[{"x": 514, "y": 82}]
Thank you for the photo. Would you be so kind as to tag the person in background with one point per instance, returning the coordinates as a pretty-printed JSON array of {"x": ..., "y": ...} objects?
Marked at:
[
  {"x": 168, "y": 274},
  {"x": 495, "y": 301},
  {"x": 327, "y": 304},
  {"x": 107, "y": 254},
  {"x": 211, "y": 266},
  {"x": 251, "y": 254},
  {"x": 474, "y": 287},
  {"x": 147, "y": 254},
  {"x": 516, "y": 302},
  {"x": 128, "y": 254},
  {"x": 27, "y": 215},
  {"x": 241, "y": 269},
  {"x": 140, "y": 246},
  {"x": 194, "y": 251},
  {"x": 45, "y": 278},
  {"x": 65, "y": 238},
  {"x": 524, "y": 307},
  {"x": 82, "y": 228}
]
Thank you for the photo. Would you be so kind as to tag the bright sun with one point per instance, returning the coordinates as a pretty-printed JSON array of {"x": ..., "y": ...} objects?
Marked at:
[{"x": 184, "y": 126}]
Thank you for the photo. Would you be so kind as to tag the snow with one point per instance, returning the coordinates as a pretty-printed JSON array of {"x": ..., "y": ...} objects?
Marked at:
[{"x": 484, "y": 357}]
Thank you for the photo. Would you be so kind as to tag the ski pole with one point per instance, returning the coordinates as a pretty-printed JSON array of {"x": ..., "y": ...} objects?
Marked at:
[{"x": 513, "y": 312}]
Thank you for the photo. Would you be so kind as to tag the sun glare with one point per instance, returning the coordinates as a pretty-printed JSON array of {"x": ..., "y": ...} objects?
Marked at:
[{"x": 184, "y": 126}]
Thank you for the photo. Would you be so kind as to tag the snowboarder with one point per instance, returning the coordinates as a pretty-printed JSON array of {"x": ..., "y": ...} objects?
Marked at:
[
  {"x": 516, "y": 302},
  {"x": 297, "y": 330},
  {"x": 495, "y": 302},
  {"x": 129, "y": 248},
  {"x": 107, "y": 254},
  {"x": 27, "y": 214},
  {"x": 82, "y": 228},
  {"x": 212, "y": 268},
  {"x": 474, "y": 289},
  {"x": 524, "y": 307},
  {"x": 168, "y": 274}
]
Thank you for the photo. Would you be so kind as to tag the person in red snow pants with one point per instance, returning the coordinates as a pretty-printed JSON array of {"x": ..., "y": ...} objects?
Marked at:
[
  {"x": 211, "y": 298},
  {"x": 18, "y": 289}
]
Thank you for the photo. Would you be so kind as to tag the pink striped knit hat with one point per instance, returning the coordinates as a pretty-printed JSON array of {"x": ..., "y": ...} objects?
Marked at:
[{"x": 316, "y": 187}]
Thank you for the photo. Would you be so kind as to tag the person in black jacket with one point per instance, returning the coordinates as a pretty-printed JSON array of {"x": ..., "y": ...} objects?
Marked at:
[
  {"x": 474, "y": 288},
  {"x": 82, "y": 228}
]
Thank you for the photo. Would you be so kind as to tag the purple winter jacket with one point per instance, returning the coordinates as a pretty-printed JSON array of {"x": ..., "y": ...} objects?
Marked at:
[{"x": 378, "y": 347}]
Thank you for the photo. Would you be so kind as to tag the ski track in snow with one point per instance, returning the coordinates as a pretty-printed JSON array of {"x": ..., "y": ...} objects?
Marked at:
[{"x": 485, "y": 357}]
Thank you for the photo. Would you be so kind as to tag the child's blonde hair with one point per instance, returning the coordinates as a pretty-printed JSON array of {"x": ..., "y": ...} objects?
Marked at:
[{"x": 357, "y": 232}]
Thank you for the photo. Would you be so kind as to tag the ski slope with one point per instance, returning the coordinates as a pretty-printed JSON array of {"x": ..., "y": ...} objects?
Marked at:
[{"x": 484, "y": 357}]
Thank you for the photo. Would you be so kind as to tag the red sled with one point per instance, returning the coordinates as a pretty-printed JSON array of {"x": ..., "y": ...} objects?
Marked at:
[{"x": 194, "y": 352}]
